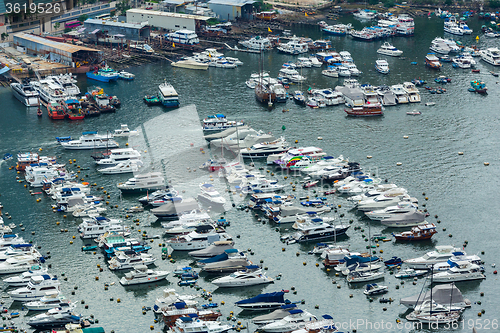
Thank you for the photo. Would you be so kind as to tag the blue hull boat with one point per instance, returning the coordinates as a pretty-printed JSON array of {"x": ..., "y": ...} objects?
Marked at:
[{"x": 102, "y": 78}]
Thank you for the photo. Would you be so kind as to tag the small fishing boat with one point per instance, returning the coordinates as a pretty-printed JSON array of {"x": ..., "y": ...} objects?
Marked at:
[
  {"x": 367, "y": 110},
  {"x": 251, "y": 276},
  {"x": 374, "y": 289},
  {"x": 478, "y": 86},
  {"x": 382, "y": 66},
  {"x": 39, "y": 112},
  {"x": 126, "y": 76},
  {"x": 419, "y": 232},
  {"x": 394, "y": 261},
  {"x": 124, "y": 131},
  {"x": 442, "y": 79},
  {"x": 151, "y": 100}
]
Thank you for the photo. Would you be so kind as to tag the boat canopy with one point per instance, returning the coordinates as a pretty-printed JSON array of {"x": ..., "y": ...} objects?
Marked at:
[
  {"x": 295, "y": 311},
  {"x": 9, "y": 236},
  {"x": 89, "y": 132},
  {"x": 288, "y": 306},
  {"x": 327, "y": 316},
  {"x": 180, "y": 305},
  {"x": 252, "y": 267},
  {"x": 18, "y": 246},
  {"x": 186, "y": 319},
  {"x": 231, "y": 251},
  {"x": 93, "y": 330},
  {"x": 276, "y": 297},
  {"x": 447, "y": 294}
]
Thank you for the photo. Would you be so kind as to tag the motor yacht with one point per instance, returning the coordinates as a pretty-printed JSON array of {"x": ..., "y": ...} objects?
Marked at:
[
  {"x": 50, "y": 91},
  {"x": 265, "y": 149},
  {"x": 123, "y": 260},
  {"x": 201, "y": 238},
  {"x": 143, "y": 183},
  {"x": 19, "y": 264},
  {"x": 36, "y": 288},
  {"x": 188, "y": 324},
  {"x": 440, "y": 47},
  {"x": 55, "y": 317},
  {"x": 296, "y": 319},
  {"x": 91, "y": 140},
  {"x": 67, "y": 82},
  {"x": 400, "y": 208},
  {"x": 432, "y": 61},
  {"x": 410, "y": 219},
  {"x": 175, "y": 208},
  {"x": 382, "y": 66},
  {"x": 412, "y": 91},
  {"x": 252, "y": 275},
  {"x": 91, "y": 228},
  {"x": 389, "y": 50},
  {"x": 389, "y": 198},
  {"x": 401, "y": 95},
  {"x": 51, "y": 300},
  {"x": 118, "y": 156},
  {"x": 257, "y": 43},
  {"x": 441, "y": 254},
  {"x": 23, "y": 279},
  {"x": 26, "y": 93},
  {"x": 129, "y": 166},
  {"x": 141, "y": 274},
  {"x": 210, "y": 195},
  {"x": 491, "y": 55},
  {"x": 18, "y": 250},
  {"x": 459, "y": 271},
  {"x": 357, "y": 277},
  {"x": 266, "y": 301},
  {"x": 374, "y": 289},
  {"x": 314, "y": 229}
]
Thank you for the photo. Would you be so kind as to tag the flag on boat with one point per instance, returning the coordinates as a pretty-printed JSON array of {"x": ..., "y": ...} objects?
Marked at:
[
  {"x": 269, "y": 29},
  {"x": 173, "y": 44},
  {"x": 305, "y": 14}
]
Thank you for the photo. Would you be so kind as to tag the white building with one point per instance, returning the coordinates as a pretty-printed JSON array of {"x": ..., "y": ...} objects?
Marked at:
[{"x": 166, "y": 20}]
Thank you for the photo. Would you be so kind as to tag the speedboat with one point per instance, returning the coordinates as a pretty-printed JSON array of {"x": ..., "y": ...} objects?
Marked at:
[
  {"x": 356, "y": 277},
  {"x": 389, "y": 198},
  {"x": 374, "y": 289},
  {"x": 193, "y": 325},
  {"x": 175, "y": 208},
  {"x": 251, "y": 276},
  {"x": 230, "y": 261},
  {"x": 91, "y": 140},
  {"x": 491, "y": 55},
  {"x": 267, "y": 301},
  {"x": 382, "y": 66},
  {"x": 130, "y": 166},
  {"x": 315, "y": 230},
  {"x": 123, "y": 260},
  {"x": 201, "y": 238},
  {"x": 459, "y": 271},
  {"x": 36, "y": 288},
  {"x": 401, "y": 208},
  {"x": 124, "y": 131},
  {"x": 56, "y": 317},
  {"x": 18, "y": 250},
  {"x": 296, "y": 319},
  {"x": 410, "y": 219},
  {"x": 441, "y": 254},
  {"x": 23, "y": 279},
  {"x": 49, "y": 301},
  {"x": 160, "y": 195},
  {"x": 210, "y": 195},
  {"x": 265, "y": 149},
  {"x": 141, "y": 274},
  {"x": 390, "y": 50},
  {"x": 213, "y": 250}
]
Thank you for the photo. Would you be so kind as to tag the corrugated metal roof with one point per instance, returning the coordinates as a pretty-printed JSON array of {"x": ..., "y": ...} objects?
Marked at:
[
  {"x": 173, "y": 2},
  {"x": 234, "y": 3},
  {"x": 114, "y": 24},
  {"x": 60, "y": 46},
  {"x": 167, "y": 14}
]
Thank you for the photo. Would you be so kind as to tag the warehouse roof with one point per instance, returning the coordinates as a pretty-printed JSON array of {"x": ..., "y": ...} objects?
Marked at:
[
  {"x": 50, "y": 43},
  {"x": 235, "y": 3},
  {"x": 168, "y": 14},
  {"x": 115, "y": 24}
]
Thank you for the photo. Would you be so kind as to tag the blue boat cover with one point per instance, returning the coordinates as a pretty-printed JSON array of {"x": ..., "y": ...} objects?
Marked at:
[
  {"x": 9, "y": 236},
  {"x": 295, "y": 311},
  {"x": 89, "y": 132},
  {"x": 180, "y": 305},
  {"x": 193, "y": 315},
  {"x": 231, "y": 251},
  {"x": 186, "y": 319},
  {"x": 276, "y": 297},
  {"x": 327, "y": 316},
  {"x": 252, "y": 267},
  {"x": 100, "y": 218},
  {"x": 17, "y": 246},
  {"x": 288, "y": 306},
  {"x": 219, "y": 257}
]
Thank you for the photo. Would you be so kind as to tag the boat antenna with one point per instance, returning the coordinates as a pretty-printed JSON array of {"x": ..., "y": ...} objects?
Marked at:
[{"x": 421, "y": 290}]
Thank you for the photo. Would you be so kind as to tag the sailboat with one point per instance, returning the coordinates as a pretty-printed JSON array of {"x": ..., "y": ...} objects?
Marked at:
[
  {"x": 263, "y": 92},
  {"x": 369, "y": 275},
  {"x": 432, "y": 313}
]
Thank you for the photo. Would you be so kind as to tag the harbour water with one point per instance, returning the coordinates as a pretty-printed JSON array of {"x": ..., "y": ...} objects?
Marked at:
[{"x": 462, "y": 192}]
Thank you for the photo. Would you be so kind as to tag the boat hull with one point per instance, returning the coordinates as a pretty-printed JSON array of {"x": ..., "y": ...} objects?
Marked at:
[
  {"x": 102, "y": 78},
  {"x": 26, "y": 100}
]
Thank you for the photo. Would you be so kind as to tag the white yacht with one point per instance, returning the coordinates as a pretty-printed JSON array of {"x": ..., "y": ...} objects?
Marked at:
[
  {"x": 401, "y": 95},
  {"x": 389, "y": 198},
  {"x": 441, "y": 254},
  {"x": 209, "y": 195},
  {"x": 201, "y": 238},
  {"x": 91, "y": 140},
  {"x": 26, "y": 93},
  {"x": 453, "y": 28},
  {"x": 94, "y": 227},
  {"x": 121, "y": 260},
  {"x": 168, "y": 95},
  {"x": 491, "y": 55},
  {"x": 439, "y": 47},
  {"x": 346, "y": 56},
  {"x": 382, "y": 66},
  {"x": 412, "y": 91},
  {"x": 130, "y": 166},
  {"x": 343, "y": 71},
  {"x": 330, "y": 71},
  {"x": 353, "y": 69},
  {"x": 261, "y": 185},
  {"x": 264, "y": 149},
  {"x": 460, "y": 271},
  {"x": 257, "y": 43},
  {"x": 25, "y": 277},
  {"x": 389, "y": 50},
  {"x": 118, "y": 156},
  {"x": 68, "y": 82},
  {"x": 18, "y": 264},
  {"x": 18, "y": 250},
  {"x": 401, "y": 208},
  {"x": 50, "y": 91},
  {"x": 330, "y": 96},
  {"x": 188, "y": 324},
  {"x": 124, "y": 131},
  {"x": 186, "y": 37},
  {"x": 295, "y": 320},
  {"x": 252, "y": 276},
  {"x": 142, "y": 274},
  {"x": 295, "y": 45},
  {"x": 36, "y": 288},
  {"x": 219, "y": 122},
  {"x": 315, "y": 229},
  {"x": 144, "y": 182},
  {"x": 52, "y": 299}
]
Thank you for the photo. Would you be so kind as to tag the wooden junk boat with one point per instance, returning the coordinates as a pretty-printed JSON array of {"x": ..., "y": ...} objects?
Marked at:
[
  {"x": 420, "y": 232},
  {"x": 367, "y": 110}
]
